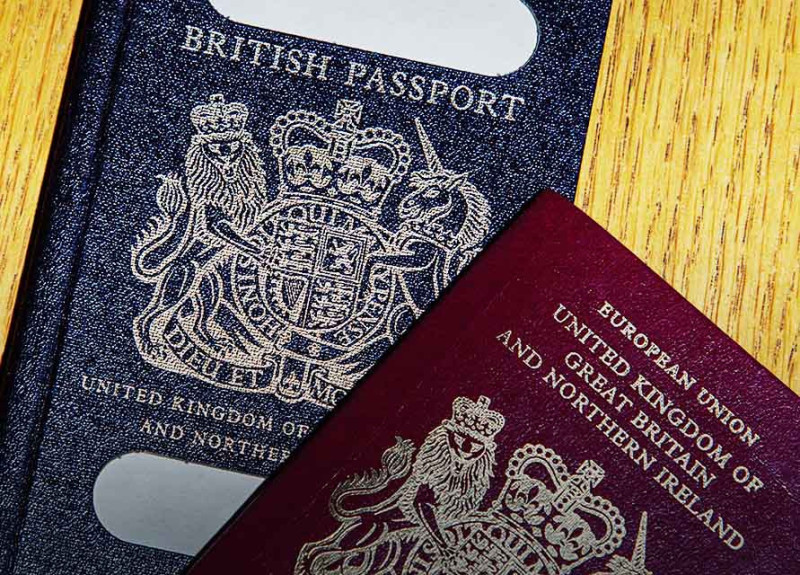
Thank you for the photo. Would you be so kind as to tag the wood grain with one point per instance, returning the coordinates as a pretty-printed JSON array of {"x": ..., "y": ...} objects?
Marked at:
[
  {"x": 33, "y": 64},
  {"x": 692, "y": 160}
]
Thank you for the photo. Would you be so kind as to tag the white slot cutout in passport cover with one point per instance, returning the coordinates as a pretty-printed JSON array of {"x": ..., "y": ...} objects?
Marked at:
[
  {"x": 489, "y": 37},
  {"x": 151, "y": 500}
]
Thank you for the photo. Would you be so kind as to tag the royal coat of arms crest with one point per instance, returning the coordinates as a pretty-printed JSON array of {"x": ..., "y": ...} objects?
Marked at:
[
  {"x": 423, "y": 511},
  {"x": 295, "y": 285}
]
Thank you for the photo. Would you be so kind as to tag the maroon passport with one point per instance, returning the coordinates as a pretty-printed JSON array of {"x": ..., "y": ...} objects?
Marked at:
[{"x": 562, "y": 410}]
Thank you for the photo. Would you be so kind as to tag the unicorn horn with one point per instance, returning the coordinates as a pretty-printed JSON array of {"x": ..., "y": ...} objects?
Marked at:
[
  {"x": 434, "y": 163},
  {"x": 639, "y": 549}
]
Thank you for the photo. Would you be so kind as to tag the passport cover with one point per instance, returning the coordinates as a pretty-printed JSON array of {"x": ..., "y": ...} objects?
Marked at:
[
  {"x": 561, "y": 410},
  {"x": 239, "y": 223}
]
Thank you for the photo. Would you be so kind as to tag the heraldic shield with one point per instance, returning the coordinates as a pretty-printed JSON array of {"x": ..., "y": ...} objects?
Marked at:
[
  {"x": 294, "y": 284},
  {"x": 423, "y": 512}
]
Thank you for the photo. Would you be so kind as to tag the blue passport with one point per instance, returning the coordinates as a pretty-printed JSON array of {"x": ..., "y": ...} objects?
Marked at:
[{"x": 237, "y": 224}]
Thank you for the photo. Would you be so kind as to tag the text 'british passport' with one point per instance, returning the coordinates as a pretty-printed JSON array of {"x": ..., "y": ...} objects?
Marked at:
[{"x": 562, "y": 410}]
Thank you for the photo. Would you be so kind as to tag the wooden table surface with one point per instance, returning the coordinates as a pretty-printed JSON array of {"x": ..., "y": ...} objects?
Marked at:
[{"x": 692, "y": 158}]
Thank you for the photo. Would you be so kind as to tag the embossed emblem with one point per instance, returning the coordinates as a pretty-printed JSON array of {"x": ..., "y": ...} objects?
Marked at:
[
  {"x": 545, "y": 520},
  {"x": 294, "y": 283}
]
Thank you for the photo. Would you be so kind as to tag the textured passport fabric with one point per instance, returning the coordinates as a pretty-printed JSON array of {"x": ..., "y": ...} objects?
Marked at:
[
  {"x": 561, "y": 410},
  {"x": 239, "y": 224}
]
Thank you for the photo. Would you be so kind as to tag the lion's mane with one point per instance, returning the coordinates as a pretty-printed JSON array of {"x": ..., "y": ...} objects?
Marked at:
[
  {"x": 458, "y": 491},
  {"x": 243, "y": 198}
]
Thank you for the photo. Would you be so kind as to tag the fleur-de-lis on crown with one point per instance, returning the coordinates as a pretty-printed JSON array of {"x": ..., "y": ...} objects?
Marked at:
[
  {"x": 476, "y": 419},
  {"x": 218, "y": 119},
  {"x": 558, "y": 508},
  {"x": 338, "y": 160}
]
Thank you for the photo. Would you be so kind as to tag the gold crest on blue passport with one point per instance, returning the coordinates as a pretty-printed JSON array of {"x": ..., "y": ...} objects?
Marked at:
[{"x": 291, "y": 281}]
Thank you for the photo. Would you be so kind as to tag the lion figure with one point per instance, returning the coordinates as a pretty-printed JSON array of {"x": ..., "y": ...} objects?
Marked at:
[
  {"x": 446, "y": 482},
  {"x": 204, "y": 220}
]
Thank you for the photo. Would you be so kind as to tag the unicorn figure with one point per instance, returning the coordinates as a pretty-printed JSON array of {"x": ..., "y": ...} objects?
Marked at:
[{"x": 444, "y": 223}]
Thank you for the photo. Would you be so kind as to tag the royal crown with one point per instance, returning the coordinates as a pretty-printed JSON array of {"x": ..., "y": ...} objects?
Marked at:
[
  {"x": 556, "y": 511},
  {"x": 218, "y": 119},
  {"x": 476, "y": 419},
  {"x": 337, "y": 160}
]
